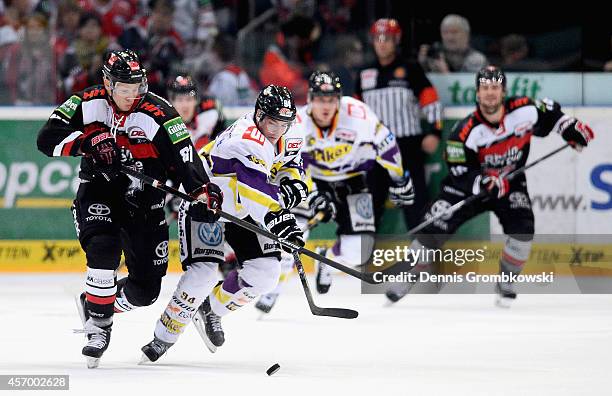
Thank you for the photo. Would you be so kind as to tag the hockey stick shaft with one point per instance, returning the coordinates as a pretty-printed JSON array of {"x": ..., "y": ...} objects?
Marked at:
[
  {"x": 251, "y": 227},
  {"x": 342, "y": 313},
  {"x": 482, "y": 194}
]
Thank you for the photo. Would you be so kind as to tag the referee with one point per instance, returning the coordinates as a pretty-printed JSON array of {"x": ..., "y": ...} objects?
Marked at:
[{"x": 400, "y": 94}]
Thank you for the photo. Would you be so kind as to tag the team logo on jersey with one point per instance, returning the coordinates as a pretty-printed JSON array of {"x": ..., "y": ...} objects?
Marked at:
[
  {"x": 210, "y": 234},
  {"x": 98, "y": 209},
  {"x": 136, "y": 132},
  {"x": 400, "y": 72}
]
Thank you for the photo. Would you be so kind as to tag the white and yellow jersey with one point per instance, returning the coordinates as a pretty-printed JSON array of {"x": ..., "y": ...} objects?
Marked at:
[
  {"x": 355, "y": 140},
  {"x": 248, "y": 168}
]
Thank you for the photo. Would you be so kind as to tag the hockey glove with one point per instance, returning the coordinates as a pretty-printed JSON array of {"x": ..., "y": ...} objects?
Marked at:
[
  {"x": 283, "y": 224},
  {"x": 402, "y": 193},
  {"x": 99, "y": 145},
  {"x": 293, "y": 192},
  {"x": 576, "y": 133},
  {"x": 494, "y": 185},
  {"x": 321, "y": 201},
  {"x": 209, "y": 199}
]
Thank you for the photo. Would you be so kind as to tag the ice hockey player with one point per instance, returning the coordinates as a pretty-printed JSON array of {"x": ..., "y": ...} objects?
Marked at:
[
  {"x": 481, "y": 150},
  {"x": 121, "y": 123},
  {"x": 257, "y": 163},
  {"x": 203, "y": 115},
  {"x": 344, "y": 139}
]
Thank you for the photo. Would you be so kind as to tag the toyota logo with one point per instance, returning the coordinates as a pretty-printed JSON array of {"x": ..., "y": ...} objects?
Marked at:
[
  {"x": 162, "y": 249},
  {"x": 98, "y": 209}
]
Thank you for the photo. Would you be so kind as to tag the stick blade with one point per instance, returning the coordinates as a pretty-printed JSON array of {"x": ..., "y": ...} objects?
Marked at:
[{"x": 341, "y": 313}]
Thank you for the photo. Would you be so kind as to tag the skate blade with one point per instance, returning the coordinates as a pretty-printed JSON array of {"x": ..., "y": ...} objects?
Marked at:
[
  {"x": 77, "y": 301},
  {"x": 92, "y": 362},
  {"x": 199, "y": 325},
  {"x": 503, "y": 302},
  {"x": 144, "y": 360}
]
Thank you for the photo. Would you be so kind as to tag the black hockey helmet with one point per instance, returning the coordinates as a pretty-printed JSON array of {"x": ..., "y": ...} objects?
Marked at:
[
  {"x": 182, "y": 84},
  {"x": 275, "y": 102},
  {"x": 124, "y": 66},
  {"x": 322, "y": 83},
  {"x": 490, "y": 74}
]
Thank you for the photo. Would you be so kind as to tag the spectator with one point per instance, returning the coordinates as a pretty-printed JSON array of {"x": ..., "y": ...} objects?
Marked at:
[
  {"x": 348, "y": 57},
  {"x": 81, "y": 65},
  {"x": 195, "y": 20},
  {"x": 115, "y": 14},
  {"x": 34, "y": 84},
  {"x": 287, "y": 61},
  {"x": 159, "y": 45},
  {"x": 9, "y": 48},
  {"x": 515, "y": 51},
  {"x": 231, "y": 85},
  {"x": 67, "y": 26},
  {"x": 454, "y": 54}
]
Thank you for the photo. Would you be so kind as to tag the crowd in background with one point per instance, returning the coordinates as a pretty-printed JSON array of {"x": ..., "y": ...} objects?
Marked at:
[{"x": 51, "y": 48}]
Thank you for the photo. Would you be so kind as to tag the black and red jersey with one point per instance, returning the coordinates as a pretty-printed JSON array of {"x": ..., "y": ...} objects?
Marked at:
[
  {"x": 152, "y": 137},
  {"x": 476, "y": 146}
]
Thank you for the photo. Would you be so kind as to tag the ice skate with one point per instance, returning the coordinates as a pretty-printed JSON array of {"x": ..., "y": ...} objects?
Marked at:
[
  {"x": 208, "y": 325},
  {"x": 154, "y": 350}
]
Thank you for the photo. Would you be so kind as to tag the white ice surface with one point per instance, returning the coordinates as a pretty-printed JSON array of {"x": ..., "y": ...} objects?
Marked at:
[{"x": 424, "y": 345}]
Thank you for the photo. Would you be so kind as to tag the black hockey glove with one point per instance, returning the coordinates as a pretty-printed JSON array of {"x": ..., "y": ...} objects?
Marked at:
[
  {"x": 99, "y": 145},
  {"x": 209, "y": 199},
  {"x": 292, "y": 192},
  {"x": 576, "y": 133},
  {"x": 283, "y": 224},
  {"x": 401, "y": 193},
  {"x": 321, "y": 201}
]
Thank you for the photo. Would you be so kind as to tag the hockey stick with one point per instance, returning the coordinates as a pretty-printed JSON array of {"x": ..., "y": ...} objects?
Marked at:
[
  {"x": 342, "y": 313},
  {"x": 482, "y": 194},
  {"x": 251, "y": 227}
]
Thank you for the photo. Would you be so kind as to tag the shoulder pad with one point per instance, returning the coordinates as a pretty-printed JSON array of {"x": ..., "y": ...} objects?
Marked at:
[
  {"x": 463, "y": 128},
  {"x": 157, "y": 107},
  {"x": 94, "y": 92},
  {"x": 516, "y": 102},
  {"x": 208, "y": 104}
]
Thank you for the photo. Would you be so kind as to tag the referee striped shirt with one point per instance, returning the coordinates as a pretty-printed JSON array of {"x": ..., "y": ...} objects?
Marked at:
[{"x": 401, "y": 94}]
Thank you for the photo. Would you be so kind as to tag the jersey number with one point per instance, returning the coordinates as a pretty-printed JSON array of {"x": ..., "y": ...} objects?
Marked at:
[
  {"x": 187, "y": 154},
  {"x": 252, "y": 133}
]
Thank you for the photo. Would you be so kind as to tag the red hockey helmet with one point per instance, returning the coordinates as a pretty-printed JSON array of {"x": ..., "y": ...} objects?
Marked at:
[{"x": 386, "y": 27}]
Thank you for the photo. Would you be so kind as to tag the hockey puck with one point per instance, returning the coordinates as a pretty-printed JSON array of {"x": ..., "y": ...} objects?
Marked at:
[{"x": 273, "y": 369}]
